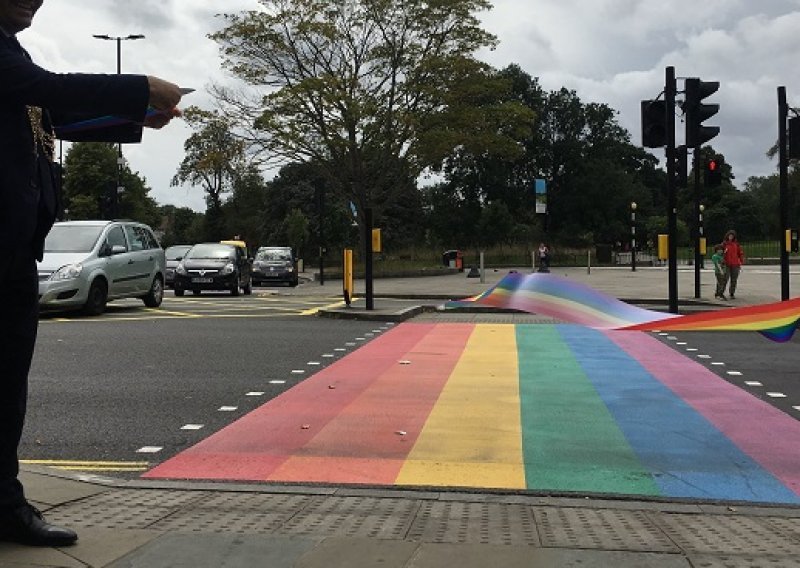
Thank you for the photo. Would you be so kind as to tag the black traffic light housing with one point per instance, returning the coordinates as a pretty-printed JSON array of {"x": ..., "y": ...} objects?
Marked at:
[
  {"x": 794, "y": 137},
  {"x": 654, "y": 124},
  {"x": 712, "y": 171},
  {"x": 697, "y": 112},
  {"x": 681, "y": 166}
]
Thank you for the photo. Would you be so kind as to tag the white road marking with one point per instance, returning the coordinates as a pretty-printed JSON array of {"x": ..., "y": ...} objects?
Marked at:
[
  {"x": 328, "y": 355},
  {"x": 350, "y": 344},
  {"x": 314, "y": 363},
  {"x": 692, "y": 349},
  {"x": 754, "y": 384},
  {"x": 297, "y": 371},
  {"x": 796, "y": 407},
  {"x": 227, "y": 408},
  {"x": 776, "y": 395},
  {"x": 149, "y": 449},
  {"x": 277, "y": 382},
  {"x": 681, "y": 343},
  {"x": 719, "y": 363},
  {"x": 672, "y": 338},
  {"x": 191, "y": 427},
  {"x": 340, "y": 349},
  {"x": 735, "y": 373},
  {"x": 255, "y": 393},
  {"x": 704, "y": 356}
]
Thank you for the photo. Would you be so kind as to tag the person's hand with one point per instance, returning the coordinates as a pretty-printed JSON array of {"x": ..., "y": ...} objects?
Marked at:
[
  {"x": 163, "y": 94},
  {"x": 161, "y": 118}
]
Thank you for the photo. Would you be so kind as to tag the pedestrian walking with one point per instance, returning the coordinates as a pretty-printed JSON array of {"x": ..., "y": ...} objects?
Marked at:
[
  {"x": 734, "y": 258},
  {"x": 544, "y": 258},
  {"x": 720, "y": 271},
  {"x": 32, "y": 102}
]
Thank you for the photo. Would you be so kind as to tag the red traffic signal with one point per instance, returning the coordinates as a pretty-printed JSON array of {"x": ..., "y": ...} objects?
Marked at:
[{"x": 712, "y": 174}]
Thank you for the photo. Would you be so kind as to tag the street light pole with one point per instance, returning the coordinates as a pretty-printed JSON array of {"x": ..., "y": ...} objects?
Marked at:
[
  {"x": 120, "y": 159},
  {"x": 701, "y": 208},
  {"x": 633, "y": 236}
]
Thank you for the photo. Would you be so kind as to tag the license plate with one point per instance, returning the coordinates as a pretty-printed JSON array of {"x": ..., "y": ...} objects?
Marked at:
[{"x": 202, "y": 280}]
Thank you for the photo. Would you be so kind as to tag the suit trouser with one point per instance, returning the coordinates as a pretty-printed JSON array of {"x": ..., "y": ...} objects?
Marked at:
[{"x": 19, "y": 318}]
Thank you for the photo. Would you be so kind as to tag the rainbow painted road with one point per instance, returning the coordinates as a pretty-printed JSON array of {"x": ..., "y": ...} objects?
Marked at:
[{"x": 554, "y": 408}]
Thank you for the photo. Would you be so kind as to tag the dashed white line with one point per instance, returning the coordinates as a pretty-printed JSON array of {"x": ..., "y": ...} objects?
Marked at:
[
  {"x": 734, "y": 373},
  {"x": 227, "y": 408},
  {"x": 796, "y": 407},
  {"x": 704, "y": 356},
  {"x": 754, "y": 384},
  {"x": 358, "y": 339},
  {"x": 681, "y": 343},
  {"x": 277, "y": 382},
  {"x": 718, "y": 363},
  {"x": 328, "y": 355},
  {"x": 191, "y": 427},
  {"x": 692, "y": 349},
  {"x": 298, "y": 371},
  {"x": 776, "y": 395},
  {"x": 149, "y": 449},
  {"x": 313, "y": 363},
  {"x": 340, "y": 349},
  {"x": 672, "y": 338},
  {"x": 662, "y": 334},
  {"x": 255, "y": 393},
  {"x": 350, "y": 344}
]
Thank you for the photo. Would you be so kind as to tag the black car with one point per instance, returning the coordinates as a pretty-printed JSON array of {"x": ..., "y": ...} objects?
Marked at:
[
  {"x": 213, "y": 266},
  {"x": 275, "y": 264},
  {"x": 174, "y": 256}
]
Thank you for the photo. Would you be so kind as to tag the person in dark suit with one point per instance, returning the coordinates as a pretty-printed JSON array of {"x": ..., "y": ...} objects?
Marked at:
[{"x": 32, "y": 102}]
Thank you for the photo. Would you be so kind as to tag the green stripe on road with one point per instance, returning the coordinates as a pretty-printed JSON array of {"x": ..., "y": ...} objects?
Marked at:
[{"x": 570, "y": 440}]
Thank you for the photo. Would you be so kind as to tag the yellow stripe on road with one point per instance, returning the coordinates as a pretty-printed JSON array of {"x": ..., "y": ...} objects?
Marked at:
[
  {"x": 473, "y": 436},
  {"x": 73, "y": 465},
  {"x": 314, "y": 311}
]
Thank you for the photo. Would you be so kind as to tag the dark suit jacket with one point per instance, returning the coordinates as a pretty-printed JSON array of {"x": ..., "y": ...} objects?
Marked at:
[{"x": 28, "y": 189}]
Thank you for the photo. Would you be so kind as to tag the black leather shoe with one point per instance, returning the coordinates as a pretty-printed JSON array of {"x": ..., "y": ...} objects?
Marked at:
[{"x": 25, "y": 525}]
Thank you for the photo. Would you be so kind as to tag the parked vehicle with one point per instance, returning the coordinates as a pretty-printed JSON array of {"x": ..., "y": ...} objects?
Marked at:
[
  {"x": 275, "y": 264},
  {"x": 174, "y": 255},
  {"x": 213, "y": 266},
  {"x": 89, "y": 263}
]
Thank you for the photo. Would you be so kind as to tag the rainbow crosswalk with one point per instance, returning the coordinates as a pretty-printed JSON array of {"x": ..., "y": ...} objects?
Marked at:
[{"x": 560, "y": 408}]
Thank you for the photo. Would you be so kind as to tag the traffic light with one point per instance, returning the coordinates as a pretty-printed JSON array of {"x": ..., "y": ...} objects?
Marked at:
[
  {"x": 712, "y": 174},
  {"x": 654, "y": 124},
  {"x": 696, "y": 112},
  {"x": 794, "y": 137}
]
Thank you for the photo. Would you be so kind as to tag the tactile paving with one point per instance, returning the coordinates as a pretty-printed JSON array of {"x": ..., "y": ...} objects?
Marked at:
[
  {"x": 722, "y": 534},
  {"x": 604, "y": 529},
  {"x": 353, "y": 517},
  {"x": 728, "y": 561},
  {"x": 474, "y": 523}
]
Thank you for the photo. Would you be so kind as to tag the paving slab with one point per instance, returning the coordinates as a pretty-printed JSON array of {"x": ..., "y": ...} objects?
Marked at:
[{"x": 359, "y": 553}]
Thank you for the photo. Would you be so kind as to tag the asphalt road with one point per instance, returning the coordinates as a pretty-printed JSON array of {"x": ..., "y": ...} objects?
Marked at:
[
  {"x": 102, "y": 389},
  {"x": 771, "y": 369}
]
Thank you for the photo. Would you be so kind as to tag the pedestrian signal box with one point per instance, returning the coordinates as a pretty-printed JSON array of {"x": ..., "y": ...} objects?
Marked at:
[{"x": 792, "y": 244}]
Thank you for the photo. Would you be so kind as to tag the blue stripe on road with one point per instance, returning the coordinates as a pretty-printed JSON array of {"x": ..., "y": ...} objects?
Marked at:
[{"x": 686, "y": 454}]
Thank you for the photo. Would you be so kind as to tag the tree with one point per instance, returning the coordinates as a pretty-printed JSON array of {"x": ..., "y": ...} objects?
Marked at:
[
  {"x": 372, "y": 91},
  {"x": 213, "y": 158},
  {"x": 90, "y": 182},
  {"x": 296, "y": 228}
]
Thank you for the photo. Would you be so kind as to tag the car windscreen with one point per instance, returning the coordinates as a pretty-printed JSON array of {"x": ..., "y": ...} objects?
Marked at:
[
  {"x": 211, "y": 251},
  {"x": 273, "y": 254},
  {"x": 175, "y": 253},
  {"x": 72, "y": 238}
]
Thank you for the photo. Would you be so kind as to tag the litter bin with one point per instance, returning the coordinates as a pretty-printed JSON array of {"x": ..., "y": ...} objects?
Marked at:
[{"x": 453, "y": 259}]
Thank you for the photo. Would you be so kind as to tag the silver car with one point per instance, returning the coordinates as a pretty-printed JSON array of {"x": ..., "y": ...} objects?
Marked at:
[{"x": 88, "y": 263}]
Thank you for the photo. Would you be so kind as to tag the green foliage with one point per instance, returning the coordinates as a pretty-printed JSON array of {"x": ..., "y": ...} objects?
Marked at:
[
  {"x": 371, "y": 91},
  {"x": 90, "y": 177},
  {"x": 296, "y": 228}
]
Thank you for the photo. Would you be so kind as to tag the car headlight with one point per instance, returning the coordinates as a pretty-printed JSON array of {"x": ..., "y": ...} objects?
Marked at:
[
  {"x": 180, "y": 269},
  {"x": 68, "y": 272},
  {"x": 229, "y": 268},
  {"x": 290, "y": 269}
]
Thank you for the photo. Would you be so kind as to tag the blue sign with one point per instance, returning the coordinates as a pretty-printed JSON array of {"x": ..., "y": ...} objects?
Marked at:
[{"x": 540, "y": 189}]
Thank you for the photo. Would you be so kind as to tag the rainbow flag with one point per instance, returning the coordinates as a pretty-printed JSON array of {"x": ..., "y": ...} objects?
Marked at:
[
  {"x": 538, "y": 407},
  {"x": 572, "y": 302}
]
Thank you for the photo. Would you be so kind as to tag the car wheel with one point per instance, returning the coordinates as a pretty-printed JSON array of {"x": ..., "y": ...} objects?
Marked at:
[
  {"x": 179, "y": 292},
  {"x": 155, "y": 295},
  {"x": 96, "y": 301}
]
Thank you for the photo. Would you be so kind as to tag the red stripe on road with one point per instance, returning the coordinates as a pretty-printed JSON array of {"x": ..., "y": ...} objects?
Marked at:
[
  {"x": 766, "y": 434},
  {"x": 255, "y": 445},
  {"x": 369, "y": 440}
]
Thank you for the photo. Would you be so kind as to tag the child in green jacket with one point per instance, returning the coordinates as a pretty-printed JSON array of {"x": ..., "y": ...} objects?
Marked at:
[{"x": 720, "y": 271}]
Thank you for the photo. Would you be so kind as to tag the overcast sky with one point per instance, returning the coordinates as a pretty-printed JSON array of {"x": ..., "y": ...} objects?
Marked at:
[{"x": 609, "y": 51}]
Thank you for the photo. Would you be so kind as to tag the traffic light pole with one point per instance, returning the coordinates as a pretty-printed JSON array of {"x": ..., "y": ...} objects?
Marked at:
[
  {"x": 697, "y": 257},
  {"x": 783, "y": 166},
  {"x": 672, "y": 198},
  {"x": 368, "y": 259}
]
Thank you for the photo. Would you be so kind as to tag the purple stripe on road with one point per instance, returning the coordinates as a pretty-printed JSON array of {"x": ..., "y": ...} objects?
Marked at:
[{"x": 766, "y": 434}]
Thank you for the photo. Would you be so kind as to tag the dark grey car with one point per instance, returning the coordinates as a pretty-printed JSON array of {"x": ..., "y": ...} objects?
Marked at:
[
  {"x": 213, "y": 266},
  {"x": 275, "y": 264}
]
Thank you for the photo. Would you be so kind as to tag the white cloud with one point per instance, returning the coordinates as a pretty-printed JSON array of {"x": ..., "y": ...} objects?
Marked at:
[{"x": 611, "y": 51}]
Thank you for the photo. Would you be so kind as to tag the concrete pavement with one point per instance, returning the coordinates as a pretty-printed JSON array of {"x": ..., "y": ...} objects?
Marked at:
[{"x": 159, "y": 523}]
